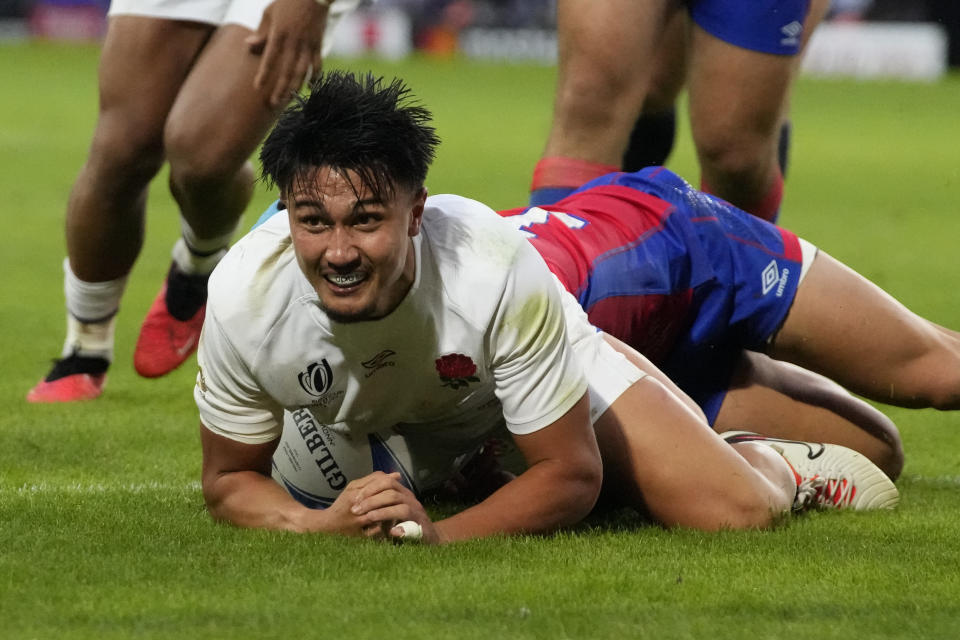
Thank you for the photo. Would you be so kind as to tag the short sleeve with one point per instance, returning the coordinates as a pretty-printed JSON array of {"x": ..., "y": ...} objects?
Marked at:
[
  {"x": 538, "y": 377},
  {"x": 230, "y": 401}
]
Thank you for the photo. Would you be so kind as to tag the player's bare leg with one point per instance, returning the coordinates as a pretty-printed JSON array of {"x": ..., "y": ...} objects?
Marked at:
[
  {"x": 780, "y": 399},
  {"x": 659, "y": 454},
  {"x": 602, "y": 79},
  {"x": 845, "y": 327},
  {"x": 715, "y": 487},
  {"x": 737, "y": 144},
  {"x": 654, "y": 131},
  {"x": 215, "y": 125},
  {"x": 736, "y": 104},
  {"x": 143, "y": 64},
  {"x": 213, "y": 128}
]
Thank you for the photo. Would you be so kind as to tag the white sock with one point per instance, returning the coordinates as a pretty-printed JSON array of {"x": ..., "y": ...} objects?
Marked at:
[
  {"x": 91, "y": 308},
  {"x": 192, "y": 264},
  {"x": 89, "y": 339},
  {"x": 198, "y": 256}
]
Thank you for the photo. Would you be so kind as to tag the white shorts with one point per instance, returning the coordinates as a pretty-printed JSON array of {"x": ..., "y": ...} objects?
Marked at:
[
  {"x": 608, "y": 371},
  {"x": 246, "y": 13}
]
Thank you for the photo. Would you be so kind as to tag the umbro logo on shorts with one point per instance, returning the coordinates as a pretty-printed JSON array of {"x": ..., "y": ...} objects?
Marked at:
[
  {"x": 772, "y": 276},
  {"x": 791, "y": 33}
]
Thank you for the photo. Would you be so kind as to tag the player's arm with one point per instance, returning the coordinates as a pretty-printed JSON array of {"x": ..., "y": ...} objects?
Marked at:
[
  {"x": 559, "y": 487},
  {"x": 289, "y": 40},
  {"x": 238, "y": 489},
  {"x": 240, "y": 427},
  {"x": 237, "y": 486},
  {"x": 541, "y": 386}
]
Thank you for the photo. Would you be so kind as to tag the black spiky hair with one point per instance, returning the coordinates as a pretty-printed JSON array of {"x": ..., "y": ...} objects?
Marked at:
[{"x": 352, "y": 123}]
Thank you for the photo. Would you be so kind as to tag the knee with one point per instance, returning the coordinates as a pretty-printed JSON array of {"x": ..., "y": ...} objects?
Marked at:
[
  {"x": 737, "y": 156},
  {"x": 599, "y": 95},
  {"x": 884, "y": 447},
  {"x": 890, "y": 458},
  {"x": 724, "y": 512},
  {"x": 945, "y": 379},
  {"x": 198, "y": 160},
  {"x": 125, "y": 152},
  {"x": 932, "y": 379}
]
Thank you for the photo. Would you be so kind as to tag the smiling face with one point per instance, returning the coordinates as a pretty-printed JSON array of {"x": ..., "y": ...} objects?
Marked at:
[{"x": 354, "y": 248}]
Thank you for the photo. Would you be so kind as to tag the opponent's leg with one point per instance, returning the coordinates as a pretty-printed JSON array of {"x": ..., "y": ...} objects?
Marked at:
[
  {"x": 845, "y": 327},
  {"x": 143, "y": 63},
  {"x": 214, "y": 126},
  {"x": 737, "y": 141},
  {"x": 736, "y": 101},
  {"x": 602, "y": 78},
  {"x": 654, "y": 131},
  {"x": 779, "y": 399}
]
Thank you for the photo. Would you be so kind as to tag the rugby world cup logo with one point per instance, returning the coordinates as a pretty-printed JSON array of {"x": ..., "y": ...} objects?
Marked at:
[{"x": 318, "y": 377}]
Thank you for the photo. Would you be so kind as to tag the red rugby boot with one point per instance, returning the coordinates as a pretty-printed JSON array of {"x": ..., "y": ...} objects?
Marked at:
[
  {"x": 171, "y": 330},
  {"x": 72, "y": 379}
]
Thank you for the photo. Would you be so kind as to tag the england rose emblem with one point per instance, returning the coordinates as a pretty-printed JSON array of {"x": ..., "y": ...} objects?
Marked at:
[{"x": 456, "y": 370}]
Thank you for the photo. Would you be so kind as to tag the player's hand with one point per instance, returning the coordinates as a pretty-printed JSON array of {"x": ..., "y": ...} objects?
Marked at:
[
  {"x": 384, "y": 502},
  {"x": 339, "y": 516},
  {"x": 288, "y": 40}
]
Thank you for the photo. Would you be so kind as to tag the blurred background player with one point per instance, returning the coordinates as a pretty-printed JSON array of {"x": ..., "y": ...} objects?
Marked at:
[
  {"x": 620, "y": 57},
  {"x": 195, "y": 83},
  {"x": 654, "y": 132},
  {"x": 761, "y": 329}
]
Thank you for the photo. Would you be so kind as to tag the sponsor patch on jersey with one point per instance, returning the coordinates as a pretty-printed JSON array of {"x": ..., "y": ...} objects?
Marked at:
[
  {"x": 317, "y": 379},
  {"x": 379, "y": 361}
]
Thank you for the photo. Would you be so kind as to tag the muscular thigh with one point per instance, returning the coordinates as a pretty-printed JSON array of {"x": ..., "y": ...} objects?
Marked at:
[
  {"x": 144, "y": 63},
  {"x": 750, "y": 86},
  {"x": 745, "y": 55},
  {"x": 604, "y": 68},
  {"x": 218, "y": 116},
  {"x": 659, "y": 454}
]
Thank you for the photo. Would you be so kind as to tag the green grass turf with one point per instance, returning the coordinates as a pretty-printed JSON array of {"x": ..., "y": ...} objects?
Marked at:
[{"x": 102, "y": 528}]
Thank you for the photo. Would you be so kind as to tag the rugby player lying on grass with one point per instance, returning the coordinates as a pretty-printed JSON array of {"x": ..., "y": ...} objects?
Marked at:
[
  {"x": 371, "y": 308},
  {"x": 760, "y": 328}
]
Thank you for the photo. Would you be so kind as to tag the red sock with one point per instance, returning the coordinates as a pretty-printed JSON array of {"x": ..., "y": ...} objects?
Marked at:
[{"x": 560, "y": 171}]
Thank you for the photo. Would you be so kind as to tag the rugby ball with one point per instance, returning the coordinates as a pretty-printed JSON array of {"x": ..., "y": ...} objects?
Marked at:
[{"x": 314, "y": 462}]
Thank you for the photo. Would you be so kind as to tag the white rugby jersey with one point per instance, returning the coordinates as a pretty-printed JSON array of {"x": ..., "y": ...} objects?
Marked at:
[{"x": 480, "y": 339}]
